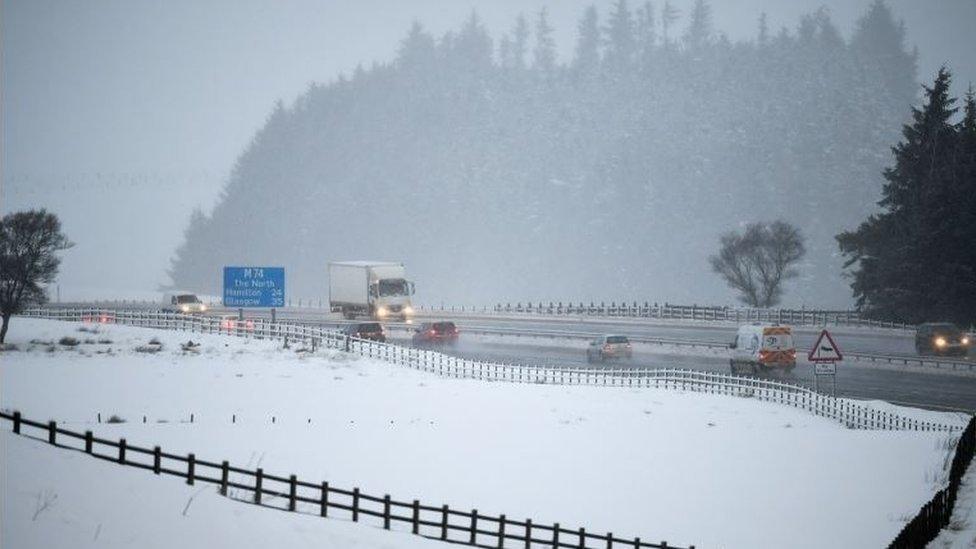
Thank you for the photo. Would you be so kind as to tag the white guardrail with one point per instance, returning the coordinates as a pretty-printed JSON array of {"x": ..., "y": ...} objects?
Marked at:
[
  {"x": 926, "y": 361},
  {"x": 667, "y": 311},
  {"x": 852, "y": 414},
  {"x": 647, "y": 310}
]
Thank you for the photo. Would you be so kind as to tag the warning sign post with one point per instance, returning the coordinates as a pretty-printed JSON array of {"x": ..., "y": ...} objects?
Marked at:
[{"x": 825, "y": 355}]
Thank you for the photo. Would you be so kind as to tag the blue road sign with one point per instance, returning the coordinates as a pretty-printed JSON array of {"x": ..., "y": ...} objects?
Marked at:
[{"x": 254, "y": 287}]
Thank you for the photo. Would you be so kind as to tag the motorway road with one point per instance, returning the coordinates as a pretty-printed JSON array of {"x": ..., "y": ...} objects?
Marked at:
[
  {"x": 926, "y": 389},
  {"x": 921, "y": 387}
]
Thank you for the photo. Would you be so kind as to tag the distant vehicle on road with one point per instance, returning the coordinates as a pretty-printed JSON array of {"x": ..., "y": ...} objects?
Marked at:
[
  {"x": 231, "y": 323},
  {"x": 435, "y": 333},
  {"x": 377, "y": 289},
  {"x": 941, "y": 338},
  {"x": 763, "y": 347},
  {"x": 608, "y": 347},
  {"x": 365, "y": 330},
  {"x": 183, "y": 302}
]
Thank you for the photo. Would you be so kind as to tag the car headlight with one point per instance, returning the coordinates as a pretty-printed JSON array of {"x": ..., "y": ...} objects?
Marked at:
[
  {"x": 382, "y": 311},
  {"x": 408, "y": 310},
  {"x": 965, "y": 341},
  {"x": 185, "y": 308},
  {"x": 203, "y": 308},
  {"x": 940, "y": 342}
]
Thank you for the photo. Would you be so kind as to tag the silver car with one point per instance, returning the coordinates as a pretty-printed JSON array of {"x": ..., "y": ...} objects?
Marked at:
[{"x": 607, "y": 347}]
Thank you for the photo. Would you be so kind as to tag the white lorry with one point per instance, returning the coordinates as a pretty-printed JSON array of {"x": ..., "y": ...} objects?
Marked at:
[{"x": 378, "y": 289}]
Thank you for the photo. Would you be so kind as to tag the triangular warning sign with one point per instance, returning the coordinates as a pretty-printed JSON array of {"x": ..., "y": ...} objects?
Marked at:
[{"x": 825, "y": 350}]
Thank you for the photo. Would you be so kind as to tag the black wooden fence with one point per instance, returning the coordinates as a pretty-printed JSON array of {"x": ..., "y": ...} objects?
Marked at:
[
  {"x": 936, "y": 514},
  {"x": 292, "y": 494}
]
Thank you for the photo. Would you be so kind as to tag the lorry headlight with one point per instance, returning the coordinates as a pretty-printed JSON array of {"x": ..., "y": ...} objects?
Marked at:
[
  {"x": 185, "y": 308},
  {"x": 381, "y": 311},
  {"x": 940, "y": 342},
  {"x": 965, "y": 341},
  {"x": 203, "y": 308},
  {"x": 408, "y": 310}
]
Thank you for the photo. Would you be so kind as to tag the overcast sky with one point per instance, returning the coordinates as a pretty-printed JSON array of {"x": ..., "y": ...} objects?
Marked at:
[{"x": 121, "y": 116}]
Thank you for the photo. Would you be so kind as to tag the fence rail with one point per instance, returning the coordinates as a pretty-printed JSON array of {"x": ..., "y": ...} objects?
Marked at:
[
  {"x": 667, "y": 311},
  {"x": 289, "y": 493},
  {"x": 851, "y": 414},
  {"x": 936, "y": 514}
]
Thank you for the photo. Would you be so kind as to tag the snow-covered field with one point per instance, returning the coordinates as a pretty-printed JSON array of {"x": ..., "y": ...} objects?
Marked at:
[
  {"x": 62, "y": 499},
  {"x": 689, "y": 468},
  {"x": 961, "y": 532}
]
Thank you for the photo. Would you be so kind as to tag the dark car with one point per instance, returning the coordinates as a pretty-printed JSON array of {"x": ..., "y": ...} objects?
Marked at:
[
  {"x": 435, "y": 333},
  {"x": 365, "y": 330},
  {"x": 941, "y": 338}
]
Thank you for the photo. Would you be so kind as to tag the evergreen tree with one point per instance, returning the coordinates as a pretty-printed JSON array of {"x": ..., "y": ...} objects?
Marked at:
[
  {"x": 520, "y": 41},
  {"x": 669, "y": 14},
  {"x": 646, "y": 33},
  {"x": 912, "y": 260},
  {"x": 417, "y": 49},
  {"x": 620, "y": 40},
  {"x": 587, "y": 59},
  {"x": 879, "y": 42},
  {"x": 545, "y": 47},
  {"x": 700, "y": 32},
  {"x": 762, "y": 37}
]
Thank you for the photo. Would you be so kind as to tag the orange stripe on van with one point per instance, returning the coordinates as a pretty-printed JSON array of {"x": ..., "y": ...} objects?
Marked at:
[
  {"x": 776, "y": 357},
  {"x": 780, "y": 330}
]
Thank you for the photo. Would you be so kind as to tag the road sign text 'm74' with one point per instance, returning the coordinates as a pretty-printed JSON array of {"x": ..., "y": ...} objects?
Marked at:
[{"x": 254, "y": 286}]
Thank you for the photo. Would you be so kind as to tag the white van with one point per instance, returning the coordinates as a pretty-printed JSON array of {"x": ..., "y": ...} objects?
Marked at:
[
  {"x": 183, "y": 302},
  {"x": 763, "y": 347}
]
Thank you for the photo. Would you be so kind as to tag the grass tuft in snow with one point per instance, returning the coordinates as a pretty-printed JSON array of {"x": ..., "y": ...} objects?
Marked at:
[{"x": 68, "y": 341}]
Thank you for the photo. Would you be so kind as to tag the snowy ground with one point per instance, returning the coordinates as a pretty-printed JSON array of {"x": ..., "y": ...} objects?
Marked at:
[
  {"x": 689, "y": 468},
  {"x": 961, "y": 532},
  {"x": 62, "y": 499}
]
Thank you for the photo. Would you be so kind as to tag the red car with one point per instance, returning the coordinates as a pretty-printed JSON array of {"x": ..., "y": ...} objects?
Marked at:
[{"x": 435, "y": 333}]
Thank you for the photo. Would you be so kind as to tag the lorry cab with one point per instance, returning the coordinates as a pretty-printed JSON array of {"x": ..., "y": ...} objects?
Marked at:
[
  {"x": 763, "y": 347},
  {"x": 377, "y": 289}
]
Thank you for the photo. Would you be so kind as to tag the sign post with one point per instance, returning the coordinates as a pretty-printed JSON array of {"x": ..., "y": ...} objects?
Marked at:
[
  {"x": 254, "y": 287},
  {"x": 825, "y": 355}
]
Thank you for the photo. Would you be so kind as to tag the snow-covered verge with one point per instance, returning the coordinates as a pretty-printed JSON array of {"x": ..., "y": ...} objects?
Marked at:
[
  {"x": 690, "y": 468},
  {"x": 961, "y": 532},
  {"x": 56, "y": 498}
]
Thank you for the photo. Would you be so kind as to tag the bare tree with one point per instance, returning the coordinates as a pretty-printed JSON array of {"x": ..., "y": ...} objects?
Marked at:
[
  {"x": 756, "y": 262},
  {"x": 28, "y": 260}
]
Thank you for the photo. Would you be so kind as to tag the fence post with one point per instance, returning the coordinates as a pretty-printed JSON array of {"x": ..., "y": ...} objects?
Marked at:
[
  {"x": 122, "y": 450},
  {"x": 224, "y": 473},
  {"x": 474, "y": 527},
  {"x": 386, "y": 512},
  {"x": 292, "y": 492},
  {"x": 501, "y": 532},
  {"x": 16, "y": 423},
  {"x": 52, "y": 431},
  {"x": 191, "y": 463},
  {"x": 355, "y": 504},
  {"x": 582, "y": 536},
  {"x": 609, "y": 540},
  {"x": 555, "y": 536},
  {"x": 416, "y": 516},
  {"x": 88, "y": 442},
  {"x": 258, "y": 476},
  {"x": 444, "y": 522},
  {"x": 157, "y": 458}
]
